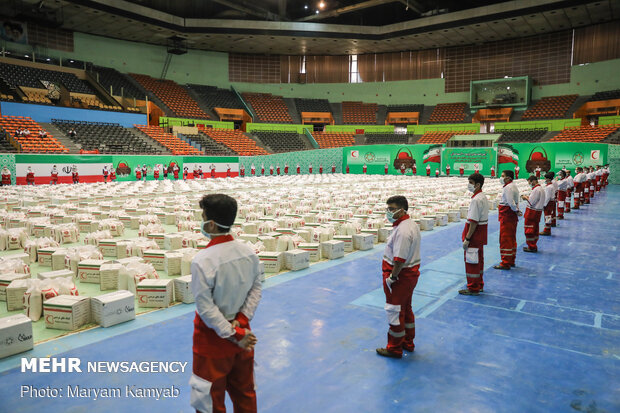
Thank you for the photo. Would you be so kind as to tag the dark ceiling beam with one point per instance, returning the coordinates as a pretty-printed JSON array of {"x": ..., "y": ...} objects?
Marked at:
[
  {"x": 414, "y": 5},
  {"x": 244, "y": 7},
  {"x": 347, "y": 9},
  {"x": 282, "y": 9}
]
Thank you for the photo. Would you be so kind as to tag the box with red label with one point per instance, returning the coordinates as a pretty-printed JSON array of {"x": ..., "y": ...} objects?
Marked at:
[
  {"x": 155, "y": 257},
  {"x": 348, "y": 241},
  {"x": 66, "y": 312},
  {"x": 155, "y": 293},
  {"x": 113, "y": 308},
  {"x": 6, "y": 279},
  {"x": 89, "y": 271},
  {"x": 272, "y": 260},
  {"x": 15, "y": 335}
]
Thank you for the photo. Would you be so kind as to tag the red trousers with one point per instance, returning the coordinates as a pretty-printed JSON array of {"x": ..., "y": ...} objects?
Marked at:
[
  {"x": 234, "y": 374},
  {"x": 569, "y": 191},
  {"x": 398, "y": 308},
  {"x": 578, "y": 194},
  {"x": 508, "y": 220},
  {"x": 531, "y": 225},
  {"x": 474, "y": 266},
  {"x": 549, "y": 216},
  {"x": 561, "y": 203},
  {"x": 598, "y": 183},
  {"x": 586, "y": 192}
]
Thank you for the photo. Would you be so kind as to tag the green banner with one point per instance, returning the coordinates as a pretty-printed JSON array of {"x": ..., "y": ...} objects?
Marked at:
[
  {"x": 471, "y": 159},
  {"x": 379, "y": 157}
]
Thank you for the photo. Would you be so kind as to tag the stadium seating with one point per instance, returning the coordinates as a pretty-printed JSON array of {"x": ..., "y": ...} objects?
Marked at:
[
  {"x": 584, "y": 134},
  {"x": 553, "y": 107},
  {"x": 312, "y": 105},
  {"x": 209, "y": 146},
  {"x": 39, "y": 97},
  {"x": 333, "y": 140},
  {"x": 213, "y": 97},
  {"x": 448, "y": 113},
  {"x": 172, "y": 95},
  {"x": 441, "y": 137},
  {"x": 174, "y": 144},
  {"x": 521, "y": 135},
  {"x": 104, "y": 137},
  {"x": 405, "y": 108},
  {"x": 386, "y": 138},
  {"x": 281, "y": 141},
  {"x": 6, "y": 97},
  {"x": 5, "y": 144},
  {"x": 235, "y": 140},
  {"x": 607, "y": 95},
  {"x": 268, "y": 108},
  {"x": 108, "y": 77},
  {"x": 17, "y": 75},
  {"x": 32, "y": 143},
  {"x": 359, "y": 113}
]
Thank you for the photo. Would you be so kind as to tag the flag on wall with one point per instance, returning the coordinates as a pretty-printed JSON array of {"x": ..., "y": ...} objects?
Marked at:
[
  {"x": 432, "y": 154},
  {"x": 507, "y": 154}
]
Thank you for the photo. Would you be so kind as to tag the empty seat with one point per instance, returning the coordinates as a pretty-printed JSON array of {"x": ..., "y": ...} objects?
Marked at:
[
  {"x": 333, "y": 140},
  {"x": 552, "y": 107},
  {"x": 522, "y": 135},
  {"x": 235, "y": 140},
  {"x": 448, "y": 113},
  {"x": 585, "y": 134},
  {"x": 279, "y": 141},
  {"x": 33, "y": 142},
  {"x": 268, "y": 108},
  {"x": 359, "y": 113}
]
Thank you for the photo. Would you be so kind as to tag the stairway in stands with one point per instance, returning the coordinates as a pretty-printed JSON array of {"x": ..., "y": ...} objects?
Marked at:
[
  {"x": 292, "y": 110},
  {"x": 62, "y": 138},
  {"x": 146, "y": 138}
]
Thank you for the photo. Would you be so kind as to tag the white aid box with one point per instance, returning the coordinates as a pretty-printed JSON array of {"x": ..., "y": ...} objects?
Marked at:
[
  {"x": 108, "y": 276},
  {"x": 130, "y": 221},
  {"x": 158, "y": 237},
  {"x": 183, "y": 289},
  {"x": 58, "y": 259},
  {"x": 427, "y": 223},
  {"x": 374, "y": 233},
  {"x": 85, "y": 225},
  {"x": 7, "y": 279},
  {"x": 22, "y": 256},
  {"x": 155, "y": 257},
  {"x": 464, "y": 211},
  {"x": 305, "y": 234},
  {"x": 173, "y": 241},
  {"x": 113, "y": 308},
  {"x": 348, "y": 242},
  {"x": 313, "y": 248},
  {"x": 332, "y": 249},
  {"x": 88, "y": 271},
  {"x": 272, "y": 261},
  {"x": 50, "y": 275},
  {"x": 155, "y": 293},
  {"x": 253, "y": 238},
  {"x": 15, "y": 335},
  {"x": 169, "y": 218},
  {"x": 128, "y": 260},
  {"x": 45, "y": 256},
  {"x": 249, "y": 228},
  {"x": 441, "y": 219},
  {"x": 15, "y": 294},
  {"x": 172, "y": 263},
  {"x": 66, "y": 312},
  {"x": 384, "y": 233},
  {"x": 363, "y": 242},
  {"x": 268, "y": 242},
  {"x": 109, "y": 248},
  {"x": 454, "y": 215},
  {"x": 296, "y": 260}
]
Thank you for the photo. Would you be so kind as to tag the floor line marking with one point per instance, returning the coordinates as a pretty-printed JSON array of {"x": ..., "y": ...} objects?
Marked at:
[
  {"x": 520, "y": 306},
  {"x": 552, "y": 267},
  {"x": 611, "y": 274},
  {"x": 546, "y": 345},
  {"x": 552, "y": 305},
  {"x": 598, "y": 317}
]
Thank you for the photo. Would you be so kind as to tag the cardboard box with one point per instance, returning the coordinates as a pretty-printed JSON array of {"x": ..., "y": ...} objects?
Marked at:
[
  {"x": 66, "y": 312},
  {"x": 15, "y": 294},
  {"x": 249, "y": 228},
  {"x": 108, "y": 247},
  {"x": 158, "y": 238},
  {"x": 268, "y": 242},
  {"x": 363, "y": 242},
  {"x": 441, "y": 219},
  {"x": 50, "y": 275},
  {"x": 6, "y": 279},
  {"x": 127, "y": 260},
  {"x": 172, "y": 263},
  {"x": 272, "y": 260},
  {"x": 15, "y": 335},
  {"x": 45, "y": 256},
  {"x": 384, "y": 233},
  {"x": 155, "y": 257},
  {"x": 374, "y": 233},
  {"x": 313, "y": 249},
  {"x": 155, "y": 293},
  {"x": 305, "y": 234},
  {"x": 173, "y": 241},
  {"x": 131, "y": 222},
  {"x": 38, "y": 230},
  {"x": 253, "y": 238},
  {"x": 183, "y": 289},
  {"x": 86, "y": 225},
  {"x": 88, "y": 271},
  {"x": 113, "y": 308},
  {"x": 332, "y": 249},
  {"x": 296, "y": 260},
  {"x": 21, "y": 255},
  {"x": 58, "y": 259},
  {"x": 427, "y": 223},
  {"x": 348, "y": 242},
  {"x": 108, "y": 276}
]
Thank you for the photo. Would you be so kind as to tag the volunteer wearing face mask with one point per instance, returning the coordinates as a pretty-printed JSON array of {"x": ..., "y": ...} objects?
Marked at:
[
  {"x": 554, "y": 214},
  {"x": 562, "y": 187},
  {"x": 226, "y": 283},
  {"x": 29, "y": 176},
  {"x": 54, "y": 174},
  {"x": 475, "y": 235},
  {"x": 549, "y": 203},
  {"x": 6, "y": 176},
  {"x": 508, "y": 214},
  {"x": 531, "y": 218},
  {"x": 570, "y": 185},
  {"x": 401, "y": 269},
  {"x": 578, "y": 188}
]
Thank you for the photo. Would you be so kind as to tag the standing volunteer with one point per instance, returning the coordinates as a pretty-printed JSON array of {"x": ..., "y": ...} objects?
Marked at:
[
  {"x": 531, "y": 218},
  {"x": 562, "y": 191},
  {"x": 6, "y": 176},
  {"x": 549, "y": 203},
  {"x": 401, "y": 270},
  {"x": 570, "y": 186},
  {"x": 508, "y": 215},
  {"x": 475, "y": 236},
  {"x": 226, "y": 283}
]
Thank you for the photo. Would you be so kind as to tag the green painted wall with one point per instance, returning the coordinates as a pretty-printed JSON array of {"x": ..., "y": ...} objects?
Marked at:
[
  {"x": 366, "y": 128},
  {"x": 609, "y": 120},
  {"x": 553, "y": 125},
  {"x": 421, "y": 129},
  {"x": 166, "y": 121}
]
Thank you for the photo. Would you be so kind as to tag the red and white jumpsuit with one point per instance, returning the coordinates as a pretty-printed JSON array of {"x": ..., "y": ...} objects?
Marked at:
[
  {"x": 310, "y": 168},
  {"x": 298, "y": 169},
  {"x": 492, "y": 172},
  {"x": 537, "y": 172},
  {"x": 508, "y": 220},
  {"x": 447, "y": 170},
  {"x": 286, "y": 169},
  {"x": 226, "y": 284},
  {"x": 138, "y": 174},
  {"x": 531, "y": 217},
  {"x": 54, "y": 174},
  {"x": 570, "y": 186},
  {"x": 517, "y": 169},
  {"x": 549, "y": 207},
  {"x": 364, "y": 168},
  {"x": 6, "y": 177},
  {"x": 347, "y": 168},
  {"x": 386, "y": 168},
  {"x": 428, "y": 170},
  {"x": 414, "y": 169},
  {"x": 253, "y": 170},
  {"x": 562, "y": 193},
  {"x": 403, "y": 245},
  {"x": 474, "y": 255},
  {"x": 461, "y": 171},
  {"x": 333, "y": 168}
]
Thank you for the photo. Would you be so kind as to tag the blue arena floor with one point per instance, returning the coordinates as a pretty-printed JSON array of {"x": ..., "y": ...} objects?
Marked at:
[{"x": 544, "y": 337}]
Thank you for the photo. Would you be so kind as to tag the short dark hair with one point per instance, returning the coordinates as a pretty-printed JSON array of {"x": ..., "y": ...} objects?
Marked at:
[
  {"x": 398, "y": 200},
  {"x": 477, "y": 178},
  {"x": 550, "y": 175},
  {"x": 220, "y": 208},
  {"x": 532, "y": 178},
  {"x": 509, "y": 174}
]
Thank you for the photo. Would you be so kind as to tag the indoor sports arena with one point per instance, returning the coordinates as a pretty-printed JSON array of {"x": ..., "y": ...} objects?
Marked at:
[{"x": 303, "y": 206}]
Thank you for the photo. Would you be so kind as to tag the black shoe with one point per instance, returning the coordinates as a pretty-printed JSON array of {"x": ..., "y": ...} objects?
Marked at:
[
  {"x": 513, "y": 265},
  {"x": 526, "y": 249},
  {"x": 386, "y": 353},
  {"x": 545, "y": 234},
  {"x": 501, "y": 267},
  {"x": 468, "y": 292}
]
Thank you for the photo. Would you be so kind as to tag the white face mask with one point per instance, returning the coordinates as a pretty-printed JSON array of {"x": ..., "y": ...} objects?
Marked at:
[
  {"x": 471, "y": 187},
  {"x": 211, "y": 234},
  {"x": 389, "y": 215}
]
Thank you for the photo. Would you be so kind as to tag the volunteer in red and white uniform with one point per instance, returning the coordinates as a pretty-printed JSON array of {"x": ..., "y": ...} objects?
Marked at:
[
  {"x": 537, "y": 172},
  {"x": 112, "y": 174},
  {"x": 298, "y": 169},
  {"x": 549, "y": 203},
  {"x": 562, "y": 191},
  {"x": 401, "y": 270},
  {"x": 508, "y": 215},
  {"x": 606, "y": 175},
  {"x": 310, "y": 168},
  {"x": 492, "y": 172},
  {"x": 462, "y": 170},
  {"x": 476, "y": 169},
  {"x": 253, "y": 170},
  {"x": 145, "y": 170},
  {"x": 436, "y": 172},
  {"x": 278, "y": 169},
  {"x": 570, "y": 186},
  {"x": 365, "y": 168},
  {"x": 531, "y": 217},
  {"x": 262, "y": 169},
  {"x": 138, "y": 172},
  {"x": 54, "y": 174},
  {"x": 212, "y": 167},
  {"x": 228, "y": 171},
  {"x": 6, "y": 176},
  {"x": 403, "y": 169},
  {"x": 270, "y": 169},
  {"x": 75, "y": 176},
  {"x": 517, "y": 169},
  {"x": 414, "y": 169},
  {"x": 195, "y": 173},
  {"x": 29, "y": 176},
  {"x": 347, "y": 169},
  {"x": 175, "y": 171},
  {"x": 592, "y": 179},
  {"x": 447, "y": 170},
  {"x": 105, "y": 173},
  {"x": 185, "y": 173},
  {"x": 579, "y": 188},
  {"x": 226, "y": 284},
  {"x": 200, "y": 174},
  {"x": 474, "y": 236},
  {"x": 333, "y": 168},
  {"x": 555, "y": 200},
  {"x": 156, "y": 172},
  {"x": 428, "y": 170},
  {"x": 242, "y": 170},
  {"x": 386, "y": 168},
  {"x": 286, "y": 168}
]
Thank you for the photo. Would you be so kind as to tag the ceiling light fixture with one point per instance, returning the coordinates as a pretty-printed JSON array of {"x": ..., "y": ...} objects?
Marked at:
[{"x": 322, "y": 5}]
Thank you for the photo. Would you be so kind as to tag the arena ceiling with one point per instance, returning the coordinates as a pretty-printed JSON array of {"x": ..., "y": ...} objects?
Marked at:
[{"x": 340, "y": 27}]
